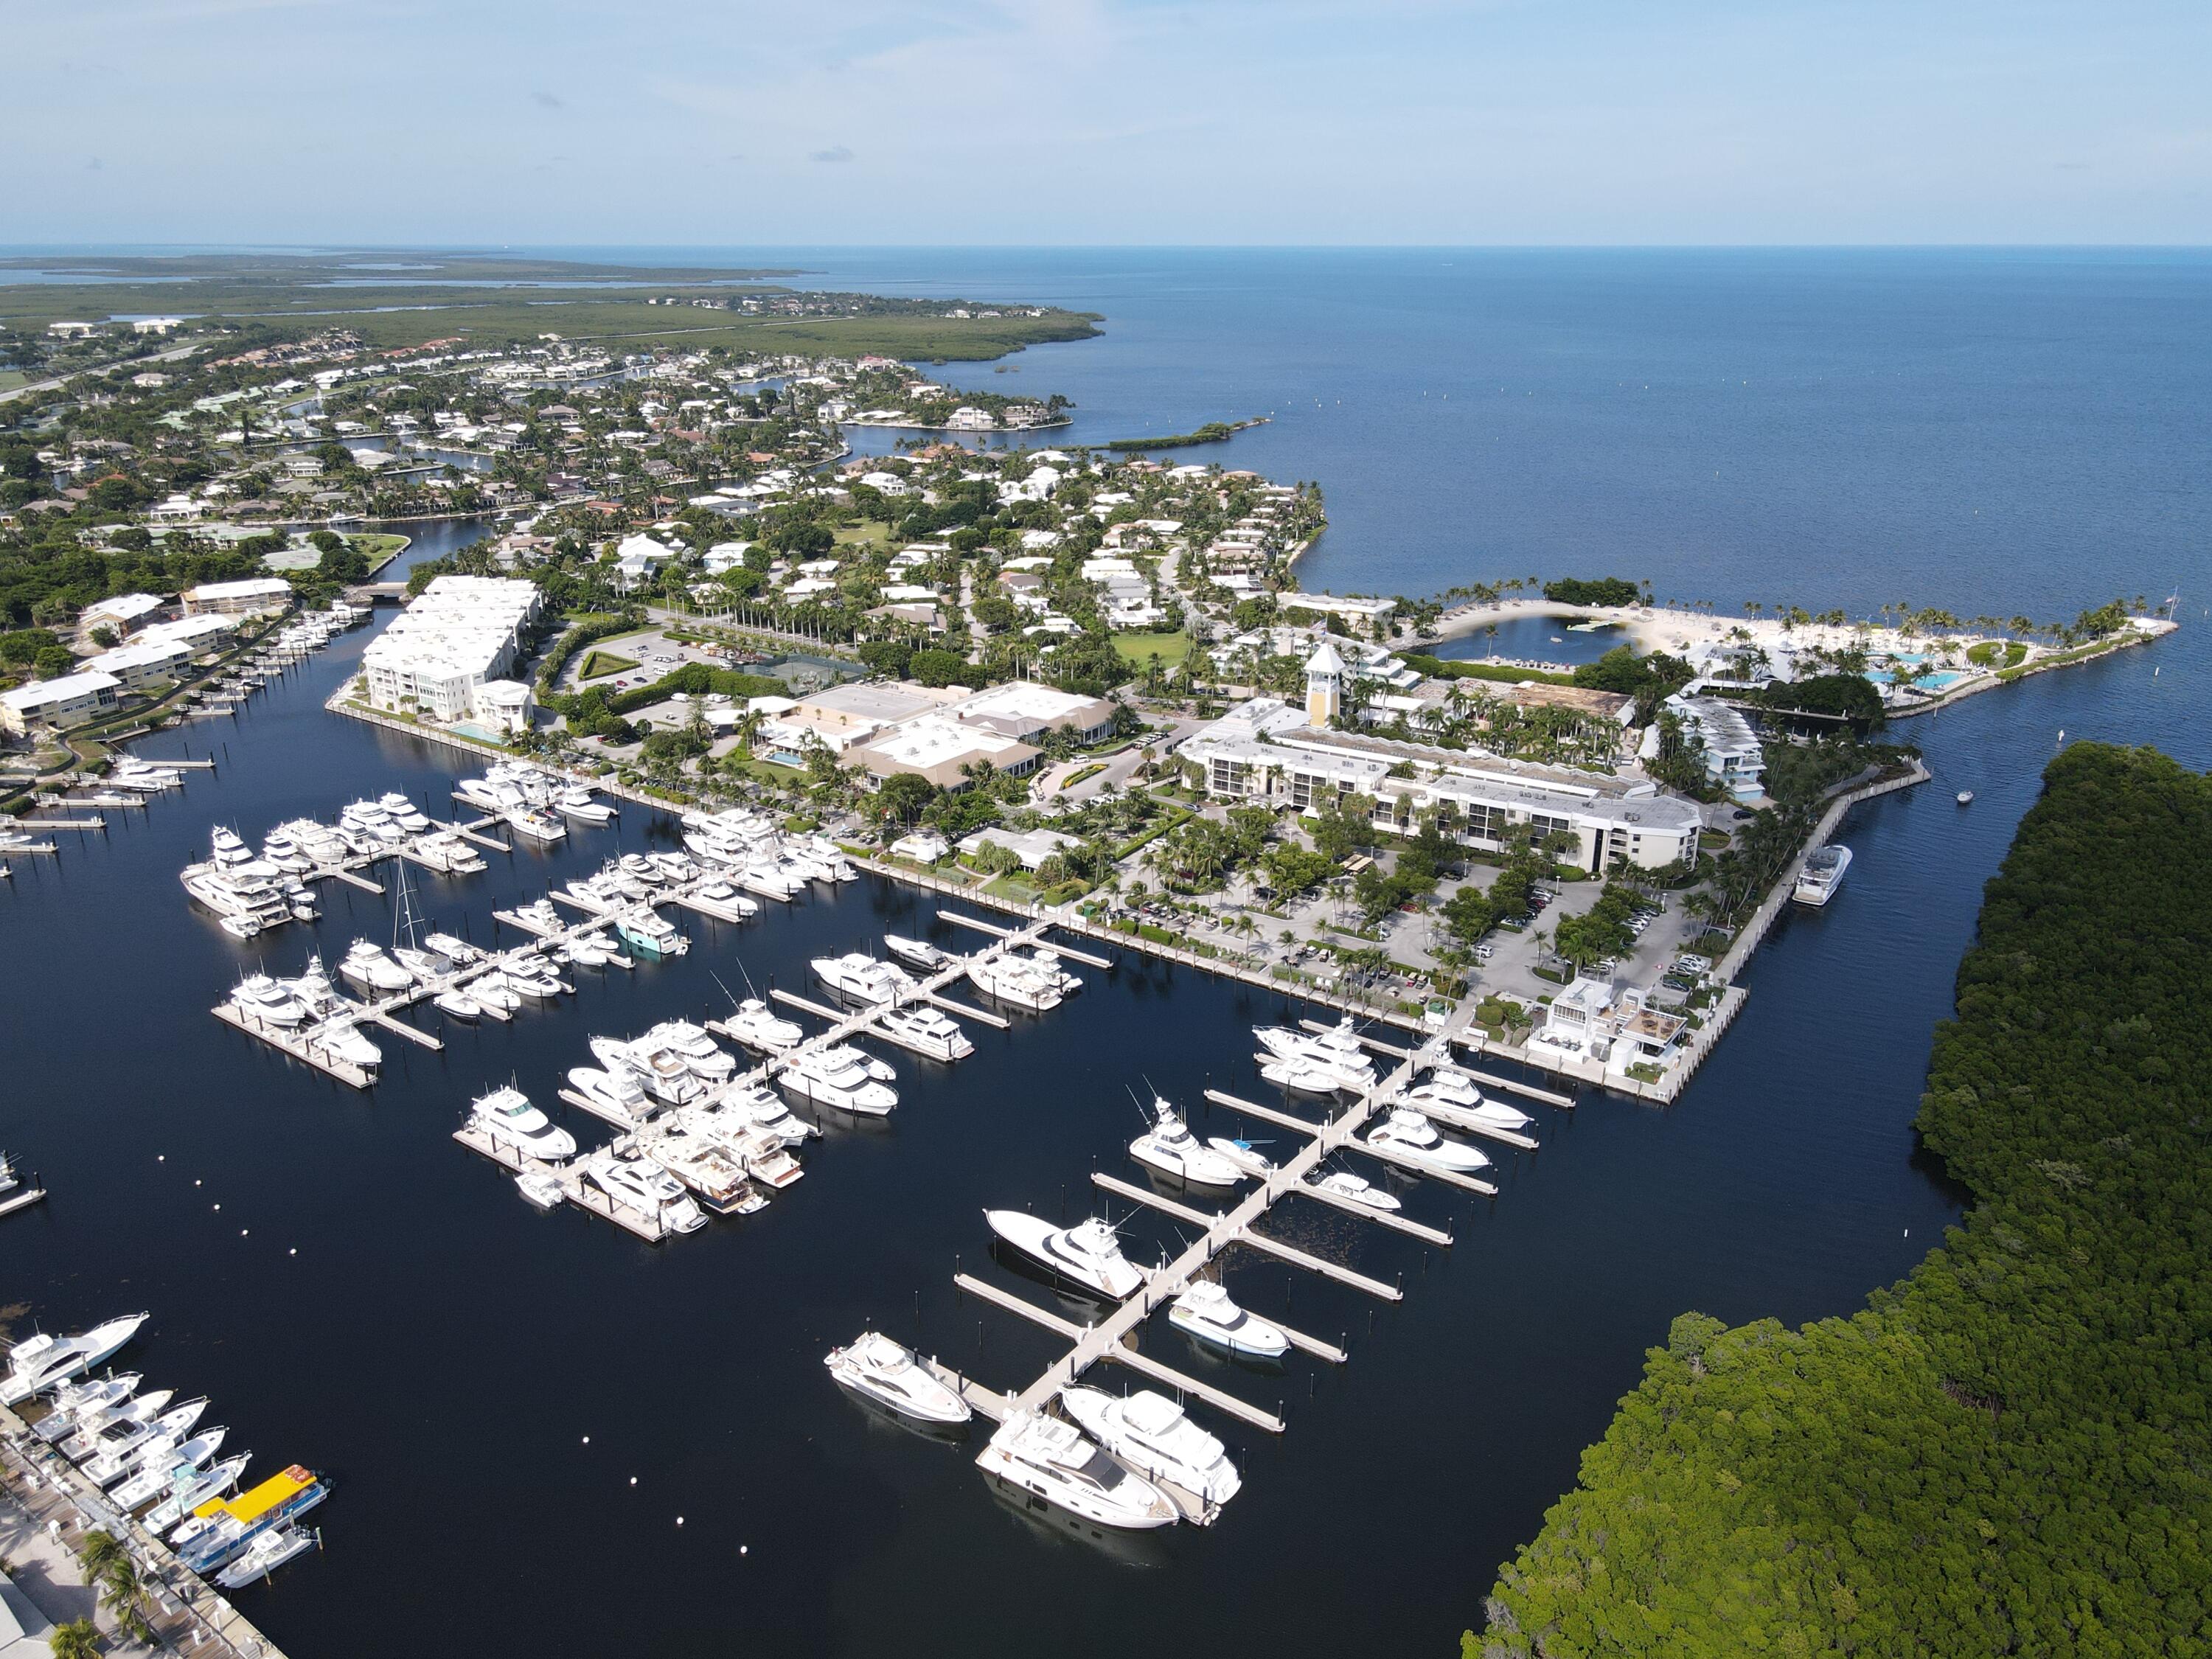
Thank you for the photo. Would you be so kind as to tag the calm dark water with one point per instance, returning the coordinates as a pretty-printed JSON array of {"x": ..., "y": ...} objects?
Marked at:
[{"x": 443, "y": 1349}]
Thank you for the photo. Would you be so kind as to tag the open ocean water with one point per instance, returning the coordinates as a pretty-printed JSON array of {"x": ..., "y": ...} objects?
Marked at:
[{"x": 1984, "y": 431}]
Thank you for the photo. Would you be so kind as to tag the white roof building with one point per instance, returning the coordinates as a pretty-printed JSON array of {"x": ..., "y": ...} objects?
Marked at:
[
  {"x": 239, "y": 599},
  {"x": 64, "y": 702},
  {"x": 439, "y": 655}
]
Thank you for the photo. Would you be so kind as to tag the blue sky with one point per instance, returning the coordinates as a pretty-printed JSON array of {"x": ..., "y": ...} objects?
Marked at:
[{"x": 1093, "y": 121}]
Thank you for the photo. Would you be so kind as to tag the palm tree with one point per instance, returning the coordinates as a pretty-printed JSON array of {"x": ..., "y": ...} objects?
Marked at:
[{"x": 76, "y": 1640}]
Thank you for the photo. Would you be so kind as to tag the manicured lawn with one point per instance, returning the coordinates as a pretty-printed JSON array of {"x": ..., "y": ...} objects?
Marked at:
[
  {"x": 1140, "y": 648},
  {"x": 1985, "y": 655},
  {"x": 598, "y": 665}
]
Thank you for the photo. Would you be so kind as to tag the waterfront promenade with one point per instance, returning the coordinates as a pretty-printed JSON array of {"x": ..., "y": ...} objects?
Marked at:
[{"x": 47, "y": 1507}]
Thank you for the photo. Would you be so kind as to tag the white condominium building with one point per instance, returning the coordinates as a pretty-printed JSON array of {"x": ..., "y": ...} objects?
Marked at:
[{"x": 443, "y": 658}]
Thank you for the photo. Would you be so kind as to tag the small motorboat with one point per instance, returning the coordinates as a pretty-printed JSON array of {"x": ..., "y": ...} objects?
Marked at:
[
  {"x": 1205, "y": 1311},
  {"x": 267, "y": 1552},
  {"x": 540, "y": 1189},
  {"x": 459, "y": 1005},
  {"x": 892, "y": 1376},
  {"x": 1242, "y": 1155},
  {"x": 1966, "y": 798}
]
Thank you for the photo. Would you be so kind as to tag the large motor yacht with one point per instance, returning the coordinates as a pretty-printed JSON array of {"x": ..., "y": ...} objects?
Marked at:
[
  {"x": 1051, "y": 1460},
  {"x": 928, "y": 1031},
  {"x": 919, "y": 952},
  {"x": 863, "y": 978},
  {"x": 1170, "y": 1147},
  {"x": 753, "y": 1023},
  {"x": 507, "y": 1116},
  {"x": 1206, "y": 1311},
  {"x": 367, "y": 965},
  {"x": 1149, "y": 1432},
  {"x": 718, "y": 899},
  {"x": 1822, "y": 874},
  {"x": 268, "y": 1002},
  {"x": 650, "y": 934},
  {"x": 838, "y": 1077},
  {"x": 1011, "y": 980},
  {"x": 692, "y": 1044},
  {"x": 891, "y": 1374},
  {"x": 644, "y": 1187},
  {"x": 614, "y": 1094},
  {"x": 1087, "y": 1254}
]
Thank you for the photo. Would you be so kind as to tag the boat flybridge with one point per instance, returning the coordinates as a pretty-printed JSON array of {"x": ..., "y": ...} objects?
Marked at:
[
  {"x": 76, "y": 1404},
  {"x": 1207, "y": 1312},
  {"x": 883, "y": 1371},
  {"x": 1087, "y": 1254},
  {"x": 863, "y": 978},
  {"x": 1015, "y": 980},
  {"x": 39, "y": 1362},
  {"x": 699, "y": 1052},
  {"x": 507, "y": 1116},
  {"x": 1448, "y": 1087},
  {"x": 1170, "y": 1147},
  {"x": 1149, "y": 1432},
  {"x": 267, "y": 1001},
  {"x": 1050, "y": 1459},
  {"x": 839, "y": 1076},
  {"x": 124, "y": 1423},
  {"x": 1407, "y": 1131},
  {"x": 1337, "y": 1050}
]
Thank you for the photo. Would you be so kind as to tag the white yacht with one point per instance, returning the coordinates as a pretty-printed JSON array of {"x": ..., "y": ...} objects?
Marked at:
[
  {"x": 76, "y": 1404},
  {"x": 229, "y": 851},
  {"x": 404, "y": 812},
  {"x": 342, "y": 1041},
  {"x": 614, "y": 1094},
  {"x": 838, "y": 1077},
  {"x": 718, "y": 899},
  {"x": 709, "y": 1169},
  {"x": 768, "y": 1114},
  {"x": 448, "y": 853},
  {"x": 267, "y": 1552},
  {"x": 576, "y": 802},
  {"x": 507, "y": 1116},
  {"x": 367, "y": 965},
  {"x": 268, "y": 1002},
  {"x": 863, "y": 978},
  {"x": 1822, "y": 874},
  {"x": 1300, "y": 1074},
  {"x": 538, "y": 916},
  {"x": 646, "y": 1188},
  {"x": 1170, "y": 1147},
  {"x": 588, "y": 950},
  {"x": 1011, "y": 980},
  {"x": 1044, "y": 962},
  {"x": 1149, "y": 1432},
  {"x": 920, "y": 952},
  {"x": 1050, "y": 1459},
  {"x": 189, "y": 1493},
  {"x": 1243, "y": 1154},
  {"x": 1358, "y": 1189},
  {"x": 1206, "y": 1311},
  {"x": 1087, "y": 1254},
  {"x": 458, "y": 1004},
  {"x": 425, "y": 965},
  {"x": 662, "y": 1075},
  {"x": 128, "y": 1422},
  {"x": 39, "y": 1362},
  {"x": 541, "y": 1188},
  {"x": 675, "y": 869},
  {"x": 493, "y": 997},
  {"x": 650, "y": 934},
  {"x": 753, "y": 1023},
  {"x": 539, "y": 826},
  {"x": 1407, "y": 1131},
  {"x": 1337, "y": 1050},
  {"x": 164, "y": 1471},
  {"x": 928, "y": 1031},
  {"x": 892, "y": 1376},
  {"x": 769, "y": 882},
  {"x": 1456, "y": 1091},
  {"x": 245, "y": 897},
  {"x": 698, "y": 1051},
  {"x": 596, "y": 893}
]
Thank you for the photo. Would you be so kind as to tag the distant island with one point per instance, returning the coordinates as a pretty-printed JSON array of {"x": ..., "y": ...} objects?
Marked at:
[{"x": 1212, "y": 432}]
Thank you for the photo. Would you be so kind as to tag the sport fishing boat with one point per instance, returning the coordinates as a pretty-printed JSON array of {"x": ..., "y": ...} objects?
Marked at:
[
  {"x": 190, "y": 1492},
  {"x": 576, "y": 802},
  {"x": 1050, "y": 1459},
  {"x": 507, "y": 1116},
  {"x": 164, "y": 1472},
  {"x": 891, "y": 1374},
  {"x": 1087, "y": 1254},
  {"x": 41, "y": 1362},
  {"x": 128, "y": 1420},
  {"x": 1170, "y": 1147},
  {"x": 1406, "y": 1131},
  {"x": 1149, "y": 1432},
  {"x": 1206, "y": 1311},
  {"x": 76, "y": 1404}
]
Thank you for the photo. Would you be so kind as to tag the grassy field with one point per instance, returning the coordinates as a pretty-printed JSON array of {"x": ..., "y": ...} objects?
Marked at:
[
  {"x": 1140, "y": 648},
  {"x": 1985, "y": 655},
  {"x": 598, "y": 665}
]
